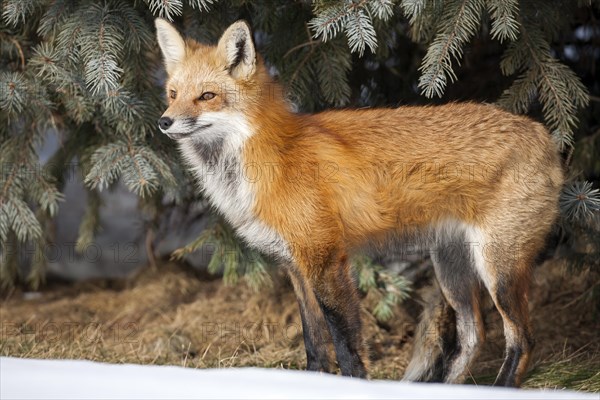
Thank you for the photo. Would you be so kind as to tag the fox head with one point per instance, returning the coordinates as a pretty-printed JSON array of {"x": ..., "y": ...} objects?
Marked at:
[{"x": 205, "y": 83}]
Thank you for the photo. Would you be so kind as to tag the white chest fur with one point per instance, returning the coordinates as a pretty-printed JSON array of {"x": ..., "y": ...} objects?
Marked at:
[{"x": 219, "y": 167}]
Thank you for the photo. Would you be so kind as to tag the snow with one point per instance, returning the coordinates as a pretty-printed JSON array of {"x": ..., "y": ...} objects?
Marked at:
[{"x": 66, "y": 379}]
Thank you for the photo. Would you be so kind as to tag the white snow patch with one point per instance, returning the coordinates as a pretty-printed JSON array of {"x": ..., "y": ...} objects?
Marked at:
[{"x": 66, "y": 379}]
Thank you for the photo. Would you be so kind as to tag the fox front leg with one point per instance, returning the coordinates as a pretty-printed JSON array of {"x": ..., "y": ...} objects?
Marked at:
[
  {"x": 338, "y": 300},
  {"x": 314, "y": 327}
]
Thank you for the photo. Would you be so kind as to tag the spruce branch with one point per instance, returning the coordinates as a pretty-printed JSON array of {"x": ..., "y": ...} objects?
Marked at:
[
  {"x": 17, "y": 158},
  {"x": 139, "y": 168},
  {"x": 22, "y": 220},
  {"x": 138, "y": 174},
  {"x": 47, "y": 64},
  {"x": 413, "y": 9},
  {"x": 519, "y": 96},
  {"x": 78, "y": 103},
  {"x": 332, "y": 67},
  {"x": 556, "y": 80},
  {"x": 459, "y": 23},
  {"x": 386, "y": 288},
  {"x": 207, "y": 236},
  {"x": 256, "y": 274},
  {"x": 165, "y": 8},
  {"x": 21, "y": 178},
  {"x": 134, "y": 28},
  {"x": 101, "y": 45},
  {"x": 229, "y": 256},
  {"x": 14, "y": 92},
  {"x": 352, "y": 17},
  {"x": 5, "y": 222},
  {"x": 164, "y": 170},
  {"x": 360, "y": 31},
  {"x": 15, "y": 12},
  {"x": 300, "y": 73},
  {"x": 579, "y": 202},
  {"x": 67, "y": 41},
  {"x": 423, "y": 16},
  {"x": 43, "y": 189},
  {"x": 382, "y": 9},
  {"x": 55, "y": 15},
  {"x": 329, "y": 21},
  {"x": 560, "y": 91},
  {"x": 504, "y": 15},
  {"x": 127, "y": 113},
  {"x": 202, "y": 5},
  {"x": 107, "y": 164}
]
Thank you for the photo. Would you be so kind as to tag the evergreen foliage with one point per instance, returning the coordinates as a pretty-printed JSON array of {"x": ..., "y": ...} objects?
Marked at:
[
  {"x": 579, "y": 201},
  {"x": 388, "y": 289},
  {"x": 79, "y": 69},
  {"x": 91, "y": 71},
  {"x": 229, "y": 256}
]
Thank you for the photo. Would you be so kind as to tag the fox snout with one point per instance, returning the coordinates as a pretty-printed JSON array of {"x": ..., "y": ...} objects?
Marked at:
[
  {"x": 182, "y": 127},
  {"x": 165, "y": 123}
]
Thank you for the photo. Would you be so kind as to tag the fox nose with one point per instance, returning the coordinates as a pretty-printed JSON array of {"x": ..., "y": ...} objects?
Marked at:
[{"x": 165, "y": 123}]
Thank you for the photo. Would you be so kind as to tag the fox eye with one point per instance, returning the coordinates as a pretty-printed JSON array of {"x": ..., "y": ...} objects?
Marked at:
[
  {"x": 172, "y": 94},
  {"x": 207, "y": 96}
]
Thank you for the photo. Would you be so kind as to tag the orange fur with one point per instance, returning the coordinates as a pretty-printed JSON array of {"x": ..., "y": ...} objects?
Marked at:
[{"x": 331, "y": 182}]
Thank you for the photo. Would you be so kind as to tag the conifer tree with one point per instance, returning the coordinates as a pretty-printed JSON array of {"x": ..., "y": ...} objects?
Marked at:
[{"x": 91, "y": 71}]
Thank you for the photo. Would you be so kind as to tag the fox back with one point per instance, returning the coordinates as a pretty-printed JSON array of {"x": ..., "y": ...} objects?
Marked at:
[{"x": 477, "y": 184}]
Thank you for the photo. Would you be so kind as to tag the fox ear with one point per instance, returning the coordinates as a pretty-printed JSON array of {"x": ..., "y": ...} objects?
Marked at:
[
  {"x": 171, "y": 43},
  {"x": 237, "y": 49}
]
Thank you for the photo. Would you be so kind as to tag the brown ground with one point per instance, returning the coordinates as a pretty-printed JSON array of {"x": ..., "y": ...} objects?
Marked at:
[{"x": 173, "y": 316}]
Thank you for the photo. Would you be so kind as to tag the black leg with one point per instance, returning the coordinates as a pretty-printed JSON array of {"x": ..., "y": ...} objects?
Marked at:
[
  {"x": 339, "y": 302},
  {"x": 314, "y": 328}
]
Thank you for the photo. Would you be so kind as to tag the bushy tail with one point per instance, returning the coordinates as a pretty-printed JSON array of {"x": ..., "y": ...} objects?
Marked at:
[{"x": 435, "y": 339}]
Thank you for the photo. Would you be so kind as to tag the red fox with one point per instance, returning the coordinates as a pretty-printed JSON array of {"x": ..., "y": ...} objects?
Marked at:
[{"x": 476, "y": 184}]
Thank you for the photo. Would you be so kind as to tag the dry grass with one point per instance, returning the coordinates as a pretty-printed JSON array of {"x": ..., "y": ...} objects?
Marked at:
[
  {"x": 172, "y": 317},
  {"x": 578, "y": 371}
]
